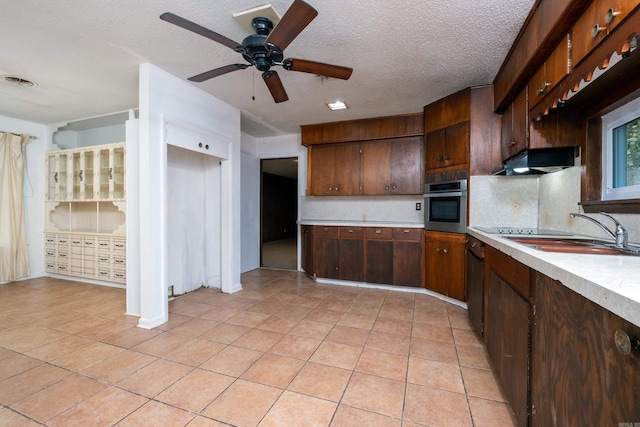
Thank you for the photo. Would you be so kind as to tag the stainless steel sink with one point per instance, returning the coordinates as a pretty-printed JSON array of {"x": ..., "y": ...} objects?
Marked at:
[{"x": 574, "y": 245}]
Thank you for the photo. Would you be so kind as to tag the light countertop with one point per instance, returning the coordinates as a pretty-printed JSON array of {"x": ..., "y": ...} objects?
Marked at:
[
  {"x": 347, "y": 223},
  {"x": 612, "y": 281}
]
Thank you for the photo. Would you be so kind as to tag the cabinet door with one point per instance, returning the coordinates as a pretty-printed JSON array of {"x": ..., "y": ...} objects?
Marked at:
[
  {"x": 307, "y": 249},
  {"x": 347, "y": 169},
  {"x": 53, "y": 177},
  {"x": 434, "y": 149},
  {"x": 515, "y": 126},
  {"x": 327, "y": 257},
  {"x": 456, "y": 150},
  {"x": 407, "y": 264},
  {"x": 444, "y": 264},
  {"x": 376, "y": 168},
  {"x": 111, "y": 173},
  {"x": 475, "y": 283},
  {"x": 351, "y": 260},
  {"x": 507, "y": 336},
  {"x": 379, "y": 261},
  {"x": 406, "y": 166},
  {"x": 578, "y": 375},
  {"x": 322, "y": 158}
]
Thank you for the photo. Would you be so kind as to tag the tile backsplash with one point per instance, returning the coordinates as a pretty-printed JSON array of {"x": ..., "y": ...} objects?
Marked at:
[
  {"x": 543, "y": 201},
  {"x": 401, "y": 209}
]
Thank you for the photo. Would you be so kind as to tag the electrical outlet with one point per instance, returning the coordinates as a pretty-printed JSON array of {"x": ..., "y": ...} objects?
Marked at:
[{"x": 418, "y": 206}]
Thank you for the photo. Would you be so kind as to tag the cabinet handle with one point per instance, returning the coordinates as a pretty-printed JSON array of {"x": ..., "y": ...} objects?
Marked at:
[
  {"x": 55, "y": 177},
  {"x": 378, "y": 231},
  {"x": 473, "y": 245},
  {"x": 393, "y": 187},
  {"x": 110, "y": 173},
  {"x": 350, "y": 230},
  {"x": 337, "y": 189},
  {"x": 80, "y": 175},
  {"x": 597, "y": 29},
  {"x": 610, "y": 16},
  {"x": 330, "y": 188},
  {"x": 447, "y": 157},
  {"x": 511, "y": 144},
  {"x": 386, "y": 187},
  {"x": 542, "y": 88},
  {"x": 446, "y": 251},
  {"x": 440, "y": 158},
  {"x": 206, "y": 147},
  {"x": 406, "y": 231},
  {"x": 199, "y": 144}
]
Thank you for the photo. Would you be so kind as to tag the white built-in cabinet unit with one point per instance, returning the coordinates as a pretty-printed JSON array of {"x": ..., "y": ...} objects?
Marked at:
[{"x": 86, "y": 213}]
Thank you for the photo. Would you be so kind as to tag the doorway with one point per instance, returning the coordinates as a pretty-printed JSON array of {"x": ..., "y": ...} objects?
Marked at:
[{"x": 278, "y": 213}]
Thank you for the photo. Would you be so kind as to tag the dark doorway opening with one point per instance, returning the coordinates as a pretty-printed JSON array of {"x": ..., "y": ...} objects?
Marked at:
[{"x": 279, "y": 212}]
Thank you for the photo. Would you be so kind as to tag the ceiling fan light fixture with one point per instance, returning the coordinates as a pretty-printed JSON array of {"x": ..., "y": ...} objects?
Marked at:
[{"x": 338, "y": 105}]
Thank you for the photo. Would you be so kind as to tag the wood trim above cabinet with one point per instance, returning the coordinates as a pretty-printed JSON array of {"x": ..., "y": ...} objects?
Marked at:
[{"x": 363, "y": 129}]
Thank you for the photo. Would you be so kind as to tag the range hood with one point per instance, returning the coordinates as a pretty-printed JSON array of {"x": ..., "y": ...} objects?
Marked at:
[{"x": 541, "y": 160}]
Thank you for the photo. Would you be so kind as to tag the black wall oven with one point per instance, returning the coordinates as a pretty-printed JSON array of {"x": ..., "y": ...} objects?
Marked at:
[{"x": 445, "y": 206}]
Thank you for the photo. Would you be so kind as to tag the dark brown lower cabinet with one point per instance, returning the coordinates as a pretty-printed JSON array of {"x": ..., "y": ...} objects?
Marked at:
[
  {"x": 507, "y": 327},
  {"x": 579, "y": 377},
  {"x": 407, "y": 263},
  {"x": 391, "y": 256},
  {"x": 475, "y": 282},
  {"x": 339, "y": 253},
  {"x": 379, "y": 261},
  {"x": 306, "y": 261}
]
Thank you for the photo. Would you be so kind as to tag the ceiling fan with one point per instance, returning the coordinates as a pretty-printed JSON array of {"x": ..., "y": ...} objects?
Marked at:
[{"x": 265, "y": 49}]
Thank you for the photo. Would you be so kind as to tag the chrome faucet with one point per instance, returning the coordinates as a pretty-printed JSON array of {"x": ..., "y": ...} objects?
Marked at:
[{"x": 621, "y": 236}]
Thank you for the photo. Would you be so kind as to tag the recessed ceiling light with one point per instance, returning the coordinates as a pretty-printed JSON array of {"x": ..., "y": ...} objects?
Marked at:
[
  {"x": 19, "y": 81},
  {"x": 338, "y": 105}
]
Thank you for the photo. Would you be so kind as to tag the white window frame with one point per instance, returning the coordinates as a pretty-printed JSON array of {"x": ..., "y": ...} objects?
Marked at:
[{"x": 610, "y": 121}]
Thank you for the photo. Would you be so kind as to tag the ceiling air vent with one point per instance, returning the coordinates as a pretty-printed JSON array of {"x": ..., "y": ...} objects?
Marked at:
[{"x": 19, "y": 81}]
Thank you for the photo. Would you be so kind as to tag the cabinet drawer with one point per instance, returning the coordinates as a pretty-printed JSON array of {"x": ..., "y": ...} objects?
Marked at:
[
  {"x": 322, "y": 231},
  {"x": 379, "y": 233},
  {"x": 50, "y": 267},
  {"x": 104, "y": 260},
  {"x": 50, "y": 240},
  {"x": 511, "y": 271},
  {"x": 600, "y": 18},
  {"x": 475, "y": 246},
  {"x": 50, "y": 254},
  {"x": 104, "y": 245},
  {"x": 409, "y": 234},
  {"x": 351, "y": 232},
  {"x": 119, "y": 275},
  {"x": 119, "y": 245},
  {"x": 104, "y": 273},
  {"x": 62, "y": 269},
  {"x": 119, "y": 262}
]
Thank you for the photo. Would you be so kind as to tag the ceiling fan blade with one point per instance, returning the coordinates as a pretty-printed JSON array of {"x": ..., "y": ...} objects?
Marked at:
[
  {"x": 295, "y": 19},
  {"x": 275, "y": 86},
  {"x": 198, "y": 29},
  {"x": 318, "y": 68},
  {"x": 217, "y": 72}
]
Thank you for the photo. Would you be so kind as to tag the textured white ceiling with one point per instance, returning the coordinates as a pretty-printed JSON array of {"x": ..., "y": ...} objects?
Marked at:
[{"x": 84, "y": 55}]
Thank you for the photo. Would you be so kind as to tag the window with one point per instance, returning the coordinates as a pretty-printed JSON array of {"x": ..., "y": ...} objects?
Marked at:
[{"x": 621, "y": 152}]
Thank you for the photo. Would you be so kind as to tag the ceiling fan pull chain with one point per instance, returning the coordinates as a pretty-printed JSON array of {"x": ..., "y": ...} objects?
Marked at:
[{"x": 253, "y": 82}]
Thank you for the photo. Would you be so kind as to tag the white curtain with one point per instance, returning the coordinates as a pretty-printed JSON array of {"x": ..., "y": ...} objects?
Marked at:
[{"x": 14, "y": 258}]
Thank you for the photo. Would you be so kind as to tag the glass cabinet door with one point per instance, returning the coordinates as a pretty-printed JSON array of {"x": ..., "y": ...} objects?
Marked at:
[
  {"x": 105, "y": 174},
  {"x": 52, "y": 177},
  {"x": 118, "y": 188},
  {"x": 87, "y": 177},
  {"x": 63, "y": 178},
  {"x": 77, "y": 175}
]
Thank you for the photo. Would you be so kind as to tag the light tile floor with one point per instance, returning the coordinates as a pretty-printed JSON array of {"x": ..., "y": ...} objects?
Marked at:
[{"x": 285, "y": 351}]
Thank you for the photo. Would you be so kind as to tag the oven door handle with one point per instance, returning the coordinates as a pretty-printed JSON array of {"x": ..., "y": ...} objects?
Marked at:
[{"x": 448, "y": 194}]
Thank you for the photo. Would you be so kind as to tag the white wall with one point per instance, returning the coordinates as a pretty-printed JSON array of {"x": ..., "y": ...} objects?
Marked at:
[
  {"x": 84, "y": 138},
  {"x": 34, "y": 187},
  {"x": 164, "y": 99},
  {"x": 250, "y": 210}
]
